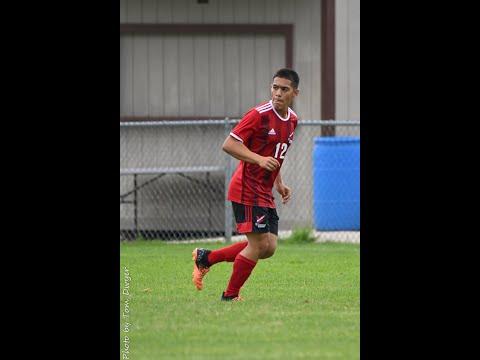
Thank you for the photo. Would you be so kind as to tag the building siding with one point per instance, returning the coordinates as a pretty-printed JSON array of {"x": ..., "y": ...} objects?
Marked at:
[
  {"x": 304, "y": 14},
  {"x": 347, "y": 62}
]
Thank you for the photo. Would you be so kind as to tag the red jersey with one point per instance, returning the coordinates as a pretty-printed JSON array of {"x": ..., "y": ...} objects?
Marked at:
[{"x": 263, "y": 131}]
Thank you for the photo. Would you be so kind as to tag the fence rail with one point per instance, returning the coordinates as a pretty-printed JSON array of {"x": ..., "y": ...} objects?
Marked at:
[
  {"x": 174, "y": 178},
  {"x": 231, "y": 122}
]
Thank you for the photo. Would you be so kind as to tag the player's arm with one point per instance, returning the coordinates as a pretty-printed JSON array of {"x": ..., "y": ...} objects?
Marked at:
[
  {"x": 239, "y": 151},
  {"x": 282, "y": 189}
]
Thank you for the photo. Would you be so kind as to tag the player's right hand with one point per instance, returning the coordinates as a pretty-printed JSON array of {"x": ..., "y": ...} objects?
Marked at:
[{"x": 269, "y": 163}]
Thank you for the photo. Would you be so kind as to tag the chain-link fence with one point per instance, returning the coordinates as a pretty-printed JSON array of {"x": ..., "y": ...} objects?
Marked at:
[{"x": 174, "y": 176}]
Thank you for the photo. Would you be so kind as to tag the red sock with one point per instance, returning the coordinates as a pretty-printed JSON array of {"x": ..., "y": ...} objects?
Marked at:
[
  {"x": 242, "y": 268},
  {"x": 227, "y": 253}
]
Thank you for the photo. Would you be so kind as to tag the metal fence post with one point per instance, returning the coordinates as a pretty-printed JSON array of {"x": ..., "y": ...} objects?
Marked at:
[
  {"x": 135, "y": 206},
  {"x": 228, "y": 176}
]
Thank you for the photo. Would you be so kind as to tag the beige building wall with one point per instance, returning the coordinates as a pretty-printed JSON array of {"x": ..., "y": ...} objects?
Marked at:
[
  {"x": 148, "y": 78},
  {"x": 240, "y": 80},
  {"x": 347, "y": 62}
]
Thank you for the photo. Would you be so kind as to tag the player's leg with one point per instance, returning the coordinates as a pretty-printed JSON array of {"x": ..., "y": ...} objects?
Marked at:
[
  {"x": 272, "y": 246},
  {"x": 227, "y": 253},
  {"x": 258, "y": 245},
  {"x": 273, "y": 232},
  {"x": 203, "y": 259},
  {"x": 200, "y": 266}
]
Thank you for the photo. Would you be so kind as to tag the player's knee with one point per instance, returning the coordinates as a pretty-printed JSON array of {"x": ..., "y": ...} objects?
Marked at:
[
  {"x": 270, "y": 250},
  {"x": 260, "y": 244},
  {"x": 263, "y": 247},
  {"x": 263, "y": 244},
  {"x": 273, "y": 247}
]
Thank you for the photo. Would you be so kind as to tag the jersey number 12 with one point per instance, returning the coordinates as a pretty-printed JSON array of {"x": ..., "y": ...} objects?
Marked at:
[{"x": 284, "y": 147}]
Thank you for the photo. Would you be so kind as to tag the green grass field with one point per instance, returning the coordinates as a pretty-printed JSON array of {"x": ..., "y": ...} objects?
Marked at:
[{"x": 303, "y": 303}]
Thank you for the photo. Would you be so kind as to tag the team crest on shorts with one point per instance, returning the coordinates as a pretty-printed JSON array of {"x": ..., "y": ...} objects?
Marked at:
[{"x": 258, "y": 223}]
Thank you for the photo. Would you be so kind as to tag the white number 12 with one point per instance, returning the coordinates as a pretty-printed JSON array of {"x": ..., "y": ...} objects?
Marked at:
[{"x": 284, "y": 150}]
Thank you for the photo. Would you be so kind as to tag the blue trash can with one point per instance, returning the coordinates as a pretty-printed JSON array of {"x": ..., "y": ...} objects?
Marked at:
[{"x": 336, "y": 183}]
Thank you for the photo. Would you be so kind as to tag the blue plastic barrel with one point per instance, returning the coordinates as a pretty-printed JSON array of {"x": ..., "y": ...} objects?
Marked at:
[{"x": 336, "y": 183}]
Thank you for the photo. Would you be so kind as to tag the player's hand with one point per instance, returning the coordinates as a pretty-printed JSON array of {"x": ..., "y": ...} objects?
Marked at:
[
  {"x": 285, "y": 192},
  {"x": 269, "y": 163}
]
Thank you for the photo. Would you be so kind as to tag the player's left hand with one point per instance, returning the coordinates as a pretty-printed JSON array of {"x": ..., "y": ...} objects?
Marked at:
[{"x": 285, "y": 192}]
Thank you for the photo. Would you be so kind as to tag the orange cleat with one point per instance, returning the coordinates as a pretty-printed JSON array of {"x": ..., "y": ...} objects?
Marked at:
[{"x": 200, "y": 266}]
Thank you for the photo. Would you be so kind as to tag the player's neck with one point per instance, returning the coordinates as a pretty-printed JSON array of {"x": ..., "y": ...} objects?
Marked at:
[{"x": 283, "y": 112}]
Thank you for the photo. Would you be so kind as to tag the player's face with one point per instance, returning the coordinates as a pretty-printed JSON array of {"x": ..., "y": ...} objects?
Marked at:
[{"x": 282, "y": 93}]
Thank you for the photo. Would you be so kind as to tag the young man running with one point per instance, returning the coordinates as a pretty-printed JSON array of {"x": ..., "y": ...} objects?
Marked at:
[{"x": 260, "y": 140}]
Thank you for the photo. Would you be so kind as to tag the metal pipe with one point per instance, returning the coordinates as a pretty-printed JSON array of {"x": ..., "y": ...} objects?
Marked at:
[
  {"x": 228, "y": 176},
  {"x": 231, "y": 122}
]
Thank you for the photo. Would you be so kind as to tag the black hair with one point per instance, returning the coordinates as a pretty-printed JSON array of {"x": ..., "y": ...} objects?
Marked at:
[{"x": 288, "y": 74}]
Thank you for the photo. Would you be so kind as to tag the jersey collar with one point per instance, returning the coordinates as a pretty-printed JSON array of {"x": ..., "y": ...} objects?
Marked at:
[{"x": 275, "y": 111}]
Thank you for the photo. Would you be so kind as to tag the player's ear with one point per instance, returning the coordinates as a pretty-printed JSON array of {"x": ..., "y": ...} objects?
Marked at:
[{"x": 296, "y": 91}]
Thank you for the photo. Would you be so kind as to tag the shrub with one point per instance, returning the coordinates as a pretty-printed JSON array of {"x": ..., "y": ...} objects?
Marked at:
[{"x": 301, "y": 236}]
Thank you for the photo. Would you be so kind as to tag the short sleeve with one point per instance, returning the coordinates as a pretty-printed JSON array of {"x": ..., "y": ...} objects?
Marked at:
[{"x": 244, "y": 130}]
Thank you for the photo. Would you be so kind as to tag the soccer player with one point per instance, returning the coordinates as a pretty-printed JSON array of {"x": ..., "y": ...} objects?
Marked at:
[{"x": 260, "y": 141}]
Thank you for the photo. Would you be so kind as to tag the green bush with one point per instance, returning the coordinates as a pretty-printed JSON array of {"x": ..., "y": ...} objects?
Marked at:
[{"x": 301, "y": 236}]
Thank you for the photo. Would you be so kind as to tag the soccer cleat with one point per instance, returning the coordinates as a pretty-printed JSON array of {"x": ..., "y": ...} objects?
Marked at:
[
  {"x": 200, "y": 266},
  {"x": 231, "y": 298}
]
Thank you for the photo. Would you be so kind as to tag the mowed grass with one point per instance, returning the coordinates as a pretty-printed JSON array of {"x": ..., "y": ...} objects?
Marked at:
[{"x": 303, "y": 303}]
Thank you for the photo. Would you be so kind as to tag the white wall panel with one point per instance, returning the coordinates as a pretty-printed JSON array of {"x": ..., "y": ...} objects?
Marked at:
[
  {"x": 232, "y": 76},
  {"x": 272, "y": 12},
  {"x": 202, "y": 76},
  {"x": 216, "y": 72},
  {"x": 180, "y": 11},
  {"x": 287, "y": 10},
  {"x": 256, "y": 11},
  {"x": 134, "y": 11},
  {"x": 123, "y": 11},
  {"x": 210, "y": 11},
  {"x": 126, "y": 74},
  {"x": 156, "y": 79},
  {"x": 171, "y": 75},
  {"x": 240, "y": 12},
  {"x": 302, "y": 59},
  {"x": 354, "y": 59},
  {"x": 277, "y": 54},
  {"x": 304, "y": 14},
  {"x": 315, "y": 61},
  {"x": 186, "y": 76},
  {"x": 140, "y": 76},
  {"x": 226, "y": 11},
  {"x": 262, "y": 68},
  {"x": 195, "y": 11},
  {"x": 164, "y": 12},
  {"x": 247, "y": 73},
  {"x": 347, "y": 62},
  {"x": 149, "y": 11},
  {"x": 341, "y": 59}
]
